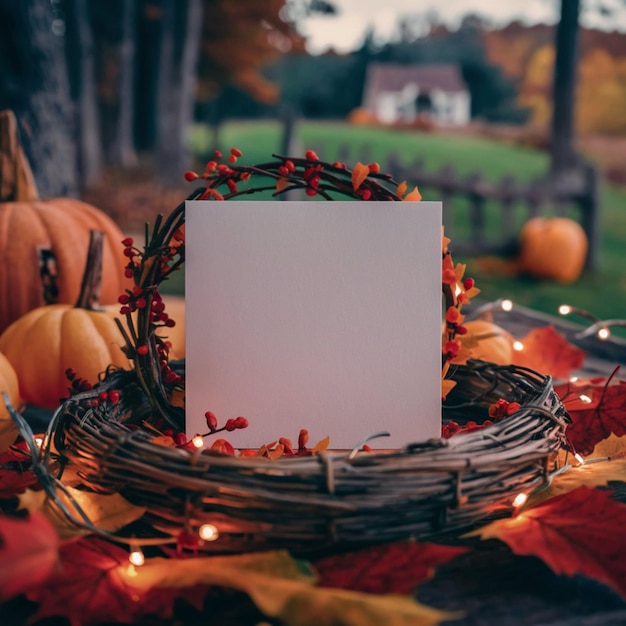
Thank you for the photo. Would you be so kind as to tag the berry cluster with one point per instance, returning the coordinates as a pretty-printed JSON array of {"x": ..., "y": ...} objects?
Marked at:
[
  {"x": 79, "y": 385},
  {"x": 497, "y": 411}
]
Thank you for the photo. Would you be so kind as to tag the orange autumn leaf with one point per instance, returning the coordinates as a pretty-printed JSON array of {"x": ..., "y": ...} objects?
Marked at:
[
  {"x": 579, "y": 532},
  {"x": 281, "y": 184},
  {"x": 402, "y": 187},
  {"x": 548, "y": 352},
  {"x": 359, "y": 174},
  {"x": 447, "y": 385},
  {"x": 322, "y": 445},
  {"x": 414, "y": 196}
]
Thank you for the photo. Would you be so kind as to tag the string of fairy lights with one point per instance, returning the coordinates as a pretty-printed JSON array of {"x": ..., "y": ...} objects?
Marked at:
[{"x": 40, "y": 449}]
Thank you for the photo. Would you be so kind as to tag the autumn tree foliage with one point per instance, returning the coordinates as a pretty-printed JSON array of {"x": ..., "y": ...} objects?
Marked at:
[{"x": 526, "y": 54}]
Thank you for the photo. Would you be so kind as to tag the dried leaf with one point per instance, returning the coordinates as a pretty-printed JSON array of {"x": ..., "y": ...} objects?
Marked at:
[
  {"x": 579, "y": 532},
  {"x": 402, "y": 187},
  {"x": 613, "y": 447},
  {"x": 322, "y": 445},
  {"x": 393, "y": 568},
  {"x": 108, "y": 512},
  {"x": 293, "y": 601},
  {"x": 281, "y": 184},
  {"x": 28, "y": 554},
  {"x": 597, "y": 409},
  {"x": 547, "y": 351},
  {"x": 359, "y": 174},
  {"x": 592, "y": 475}
]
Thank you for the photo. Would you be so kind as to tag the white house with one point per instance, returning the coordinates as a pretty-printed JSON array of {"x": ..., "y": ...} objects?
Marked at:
[{"x": 399, "y": 93}]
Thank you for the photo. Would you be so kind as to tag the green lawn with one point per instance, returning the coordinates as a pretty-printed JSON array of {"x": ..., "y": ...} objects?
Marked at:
[{"x": 602, "y": 292}]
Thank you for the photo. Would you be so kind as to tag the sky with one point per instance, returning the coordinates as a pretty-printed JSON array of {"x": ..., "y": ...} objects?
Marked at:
[{"x": 344, "y": 32}]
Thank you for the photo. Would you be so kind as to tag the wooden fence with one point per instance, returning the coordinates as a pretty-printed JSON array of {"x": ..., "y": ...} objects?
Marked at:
[{"x": 483, "y": 217}]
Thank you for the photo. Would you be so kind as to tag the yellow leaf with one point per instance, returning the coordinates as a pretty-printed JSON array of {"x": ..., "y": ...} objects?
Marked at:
[
  {"x": 163, "y": 440},
  {"x": 590, "y": 474},
  {"x": 414, "y": 196},
  {"x": 322, "y": 444},
  {"x": 613, "y": 446},
  {"x": 281, "y": 589},
  {"x": 402, "y": 187},
  {"x": 110, "y": 512},
  {"x": 281, "y": 183},
  {"x": 447, "y": 385},
  {"x": 277, "y": 452},
  {"x": 359, "y": 174},
  {"x": 177, "y": 397}
]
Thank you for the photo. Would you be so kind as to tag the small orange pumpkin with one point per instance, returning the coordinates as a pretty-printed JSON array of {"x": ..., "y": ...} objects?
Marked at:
[
  {"x": 554, "y": 248},
  {"x": 488, "y": 341},
  {"x": 40, "y": 240},
  {"x": 8, "y": 384},
  {"x": 42, "y": 344}
]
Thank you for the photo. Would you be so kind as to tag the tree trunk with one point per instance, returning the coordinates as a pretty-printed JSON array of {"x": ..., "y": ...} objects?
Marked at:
[
  {"x": 182, "y": 24},
  {"x": 123, "y": 149},
  {"x": 35, "y": 85},
  {"x": 81, "y": 51}
]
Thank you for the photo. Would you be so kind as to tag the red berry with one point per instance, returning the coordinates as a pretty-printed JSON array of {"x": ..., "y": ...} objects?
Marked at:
[
  {"x": 124, "y": 299},
  {"x": 180, "y": 439},
  {"x": 189, "y": 176},
  {"x": 468, "y": 283},
  {"x": 128, "y": 273},
  {"x": 103, "y": 395},
  {"x": 114, "y": 396},
  {"x": 310, "y": 191},
  {"x": 142, "y": 350},
  {"x": 211, "y": 420},
  {"x": 217, "y": 154},
  {"x": 129, "y": 252},
  {"x": 128, "y": 242},
  {"x": 230, "y": 425},
  {"x": 311, "y": 155},
  {"x": 241, "y": 422},
  {"x": 236, "y": 152},
  {"x": 374, "y": 168},
  {"x": 303, "y": 439}
]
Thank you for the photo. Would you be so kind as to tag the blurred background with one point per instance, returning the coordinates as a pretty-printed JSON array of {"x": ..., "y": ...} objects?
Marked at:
[{"x": 506, "y": 111}]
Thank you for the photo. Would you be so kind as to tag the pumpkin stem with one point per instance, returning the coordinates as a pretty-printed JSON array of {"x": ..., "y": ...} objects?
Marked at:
[
  {"x": 17, "y": 183},
  {"x": 89, "y": 296}
]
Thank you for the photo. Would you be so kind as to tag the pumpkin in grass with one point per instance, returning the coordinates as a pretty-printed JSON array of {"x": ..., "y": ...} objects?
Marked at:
[
  {"x": 488, "y": 342},
  {"x": 45, "y": 342},
  {"x": 40, "y": 240},
  {"x": 553, "y": 248},
  {"x": 8, "y": 385}
]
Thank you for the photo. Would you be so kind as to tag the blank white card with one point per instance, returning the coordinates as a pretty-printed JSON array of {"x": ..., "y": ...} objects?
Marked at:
[{"x": 317, "y": 315}]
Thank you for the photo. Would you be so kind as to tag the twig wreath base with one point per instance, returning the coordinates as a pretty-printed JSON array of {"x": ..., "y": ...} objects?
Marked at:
[
  {"x": 325, "y": 500},
  {"x": 307, "y": 502}
]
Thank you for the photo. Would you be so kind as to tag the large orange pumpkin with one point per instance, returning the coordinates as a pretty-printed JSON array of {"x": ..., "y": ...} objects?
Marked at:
[
  {"x": 40, "y": 240},
  {"x": 554, "y": 248},
  {"x": 43, "y": 343}
]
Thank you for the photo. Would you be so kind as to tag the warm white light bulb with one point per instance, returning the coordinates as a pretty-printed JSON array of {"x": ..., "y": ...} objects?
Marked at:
[
  {"x": 584, "y": 398},
  {"x": 573, "y": 379},
  {"x": 506, "y": 305},
  {"x": 208, "y": 532},
  {"x": 198, "y": 442},
  {"x": 39, "y": 441},
  {"x": 604, "y": 333},
  {"x": 565, "y": 309},
  {"x": 136, "y": 556},
  {"x": 520, "y": 500},
  {"x": 518, "y": 346},
  {"x": 579, "y": 458}
]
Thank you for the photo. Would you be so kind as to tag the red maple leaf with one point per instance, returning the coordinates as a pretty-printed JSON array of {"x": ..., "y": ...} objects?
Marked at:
[
  {"x": 579, "y": 532},
  {"x": 28, "y": 553},
  {"x": 597, "y": 409},
  {"x": 392, "y": 568},
  {"x": 89, "y": 590},
  {"x": 548, "y": 352},
  {"x": 15, "y": 472}
]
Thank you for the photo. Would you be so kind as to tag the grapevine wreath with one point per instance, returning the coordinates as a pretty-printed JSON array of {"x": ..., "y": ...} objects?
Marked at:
[{"x": 502, "y": 425}]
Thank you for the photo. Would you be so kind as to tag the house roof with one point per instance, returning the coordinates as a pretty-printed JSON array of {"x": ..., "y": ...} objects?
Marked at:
[{"x": 383, "y": 77}]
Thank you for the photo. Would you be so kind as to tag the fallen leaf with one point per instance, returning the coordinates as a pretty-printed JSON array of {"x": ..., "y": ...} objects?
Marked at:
[
  {"x": 579, "y": 532},
  {"x": 597, "y": 474},
  {"x": 294, "y": 602},
  {"x": 322, "y": 445},
  {"x": 392, "y": 568},
  {"x": 15, "y": 472},
  {"x": 613, "y": 446},
  {"x": 597, "y": 410},
  {"x": 359, "y": 174},
  {"x": 28, "y": 554},
  {"x": 548, "y": 352},
  {"x": 107, "y": 512},
  {"x": 414, "y": 196},
  {"x": 281, "y": 184}
]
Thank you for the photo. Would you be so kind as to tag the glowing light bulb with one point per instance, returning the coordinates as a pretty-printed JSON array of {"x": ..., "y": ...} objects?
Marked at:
[
  {"x": 208, "y": 532},
  {"x": 506, "y": 305},
  {"x": 573, "y": 379},
  {"x": 579, "y": 458},
  {"x": 565, "y": 309},
  {"x": 518, "y": 345},
  {"x": 584, "y": 398},
  {"x": 136, "y": 556},
  {"x": 604, "y": 333},
  {"x": 457, "y": 291},
  {"x": 198, "y": 442},
  {"x": 39, "y": 441},
  {"x": 520, "y": 500}
]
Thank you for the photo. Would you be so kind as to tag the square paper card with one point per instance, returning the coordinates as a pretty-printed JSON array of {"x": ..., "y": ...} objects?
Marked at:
[{"x": 318, "y": 315}]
